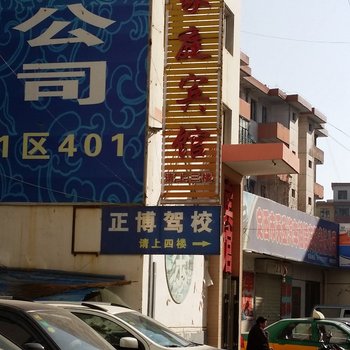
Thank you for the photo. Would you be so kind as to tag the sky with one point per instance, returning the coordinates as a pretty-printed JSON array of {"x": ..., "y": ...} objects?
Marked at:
[{"x": 303, "y": 47}]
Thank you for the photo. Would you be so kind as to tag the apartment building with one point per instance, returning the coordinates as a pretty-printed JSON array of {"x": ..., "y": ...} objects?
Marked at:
[
  {"x": 289, "y": 119},
  {"x": 282, "y": 277}
]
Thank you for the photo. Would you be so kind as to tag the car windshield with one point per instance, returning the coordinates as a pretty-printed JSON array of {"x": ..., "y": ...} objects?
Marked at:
[
  {"x": 153, "y": 330},
  {"x": 68, "y": 331},
  {"x": 5, "y": 344}
]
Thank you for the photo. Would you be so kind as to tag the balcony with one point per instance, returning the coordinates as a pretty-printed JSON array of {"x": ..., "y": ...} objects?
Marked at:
[
  {"x": 318, "y": 191},
  {"x": 260, "y": 159},
  {"x": 244, "y": 109},
  {"x": 273, "y": 132},
  {"x": 284, "y": 178},
  {"x": 317, "y": 154}
]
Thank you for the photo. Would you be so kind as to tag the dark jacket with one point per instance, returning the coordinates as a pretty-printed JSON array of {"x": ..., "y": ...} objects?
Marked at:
[{"x": 258, "y": 339}]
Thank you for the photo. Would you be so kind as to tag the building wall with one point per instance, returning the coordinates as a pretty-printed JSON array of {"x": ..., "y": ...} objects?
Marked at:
[
  {"x": 268, "y": 279},
  {"x": 325, "y": 210},
  {"x": 343, "y": 187},
  {"x": 231, "y": 71},
  {"x": 294, "y": 146},
  {"x": 41, "y": 237},
  {"x": 279, "y": 113},
  {"x": 337, "y": 288},
  {"x": 307, "y": 172},
  {"x": 190, "y": 320}
]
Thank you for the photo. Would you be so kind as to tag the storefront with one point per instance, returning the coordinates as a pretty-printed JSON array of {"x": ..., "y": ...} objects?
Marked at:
[{"x": 286, "y": 253}]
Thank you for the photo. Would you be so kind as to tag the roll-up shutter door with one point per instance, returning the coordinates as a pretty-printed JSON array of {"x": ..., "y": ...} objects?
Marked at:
[{"x": 268, "y": 296}]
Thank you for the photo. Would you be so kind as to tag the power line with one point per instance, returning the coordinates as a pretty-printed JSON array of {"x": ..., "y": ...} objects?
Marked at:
[
  {"x": 342, "y": 131},
  {"x": 294, "y": 39}
]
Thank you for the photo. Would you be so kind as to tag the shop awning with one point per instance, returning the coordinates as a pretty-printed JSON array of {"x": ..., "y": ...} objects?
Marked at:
[{"x": 31, "y": 284}]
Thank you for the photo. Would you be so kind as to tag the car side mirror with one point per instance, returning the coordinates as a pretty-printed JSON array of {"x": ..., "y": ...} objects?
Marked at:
[
  {"x": 129, "y": 343},
  {"x": 33, "y": 346}
]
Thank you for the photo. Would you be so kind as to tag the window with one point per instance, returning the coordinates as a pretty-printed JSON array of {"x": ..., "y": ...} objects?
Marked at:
[
  {"x": 309, "y": 200},
  {"x": 109, "y": 330},
  {"x": 227, "y": 139},
  {"x": 16, "y": 331},
  {"x": 293, "y": 192},
  {"x": 310, "y": 164},
  {"x": 243, "y": 131},
  {"x": 264, "y": 114},
  {"x": 229, "y": 30},
  {"x": 246, "y": 95},
  {"x": 342, "y": 211},
  {"x": 332, "y": 334},
  {"x": 294, "y": 116},
  {"x": 253, "y": 109},
  {"x": 325, "y": 213},
  {"x": 297, "y": 331},
  {"x": 342, "y": 194},
  {"x": 250, "y": 185}
]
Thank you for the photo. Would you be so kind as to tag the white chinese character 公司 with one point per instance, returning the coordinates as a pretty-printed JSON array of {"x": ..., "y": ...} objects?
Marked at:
[
  {"x": 78, "y": 35},
  {"x": 201, "y": 221},
  {"x": 60, "y": 80}
]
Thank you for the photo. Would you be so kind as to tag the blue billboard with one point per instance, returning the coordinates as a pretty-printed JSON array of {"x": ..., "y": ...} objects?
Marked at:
[
  {"x": 161, "y": 230},
  {"x": 73, "y": 100}
]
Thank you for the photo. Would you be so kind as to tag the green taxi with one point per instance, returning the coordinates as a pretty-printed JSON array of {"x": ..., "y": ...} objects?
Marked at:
[{"x": 306, "y": 334}]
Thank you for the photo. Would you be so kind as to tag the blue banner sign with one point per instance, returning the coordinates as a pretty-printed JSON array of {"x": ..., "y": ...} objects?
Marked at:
[
  {"x": 161, "y": 230},
  {"x": 73, "y": 94}
]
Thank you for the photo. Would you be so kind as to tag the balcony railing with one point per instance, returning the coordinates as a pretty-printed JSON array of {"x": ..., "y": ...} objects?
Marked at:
[
  {"x": 317, "y": 154},
  {"x": 273, "y": 132},
  {"x": 318, "y": 191},
  {"x": 244, "y": 109}
]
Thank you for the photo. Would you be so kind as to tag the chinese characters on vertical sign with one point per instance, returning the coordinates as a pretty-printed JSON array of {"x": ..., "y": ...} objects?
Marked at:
[
  {"x": 161, "y": 230},
  {"x": 192, "y": 129},
  {"x": 247, "y": 295},
  {"x": 71, "y": 129},
  {"x": 228, "y": 227}
]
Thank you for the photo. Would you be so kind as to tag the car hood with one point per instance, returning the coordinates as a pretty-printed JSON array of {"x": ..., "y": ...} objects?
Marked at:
[{"x": 195, "y": 347}]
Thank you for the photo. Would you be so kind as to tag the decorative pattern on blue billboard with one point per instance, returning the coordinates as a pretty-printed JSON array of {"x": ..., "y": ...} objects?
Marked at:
[{"x": 73, "y": 100}]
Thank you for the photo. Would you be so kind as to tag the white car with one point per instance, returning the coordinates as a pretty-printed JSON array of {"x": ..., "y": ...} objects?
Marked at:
[{"x": 128, "y": 329}]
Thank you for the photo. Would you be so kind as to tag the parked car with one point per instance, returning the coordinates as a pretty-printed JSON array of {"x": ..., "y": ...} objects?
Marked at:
[
  {"x": 306, "y": 333},
  {"x": 126, "y": 328},
  {"x": 6, "y": 344},
  {"x": 32, "y": 325}
]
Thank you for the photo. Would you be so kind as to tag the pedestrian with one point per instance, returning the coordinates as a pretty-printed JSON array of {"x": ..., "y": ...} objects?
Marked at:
[{"x": 258, "y": 337}]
